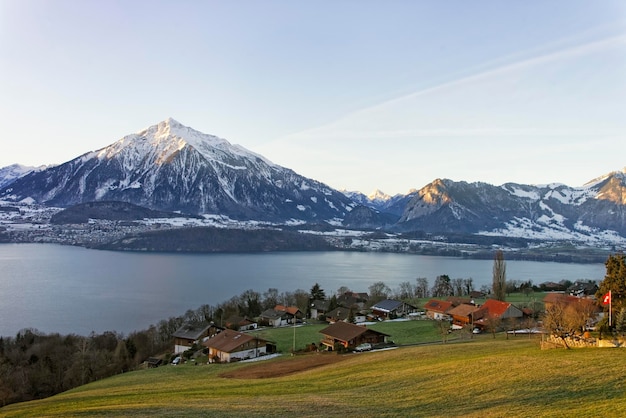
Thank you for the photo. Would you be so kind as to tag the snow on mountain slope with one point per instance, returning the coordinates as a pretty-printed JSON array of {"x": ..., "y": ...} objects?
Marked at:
[{"x": 169, "y": 166}]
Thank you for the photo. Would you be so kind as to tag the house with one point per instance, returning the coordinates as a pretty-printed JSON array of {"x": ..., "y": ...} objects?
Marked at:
[
  {"x": 273, "y": 318},
  {"x": 463, "y": 315},
  {"x": 319, "y": 308},
  {"x": 496, "y": 309},
  {"x": 280, "y": 315},
  {"x": 390, "y": 308},
  {"x": 583, "y": 289},
  {"x": 585, "y": 305},
  {"x": 350, "y": 335},
  {"x": 189, "y": 334},
  {"x": 343, "y": 314},
  {"x": 240, "y": 323},
  {"x": 230, "y": 345},
  {"x": 437, "y": 309},
  {"x": 350, "y": 299}
]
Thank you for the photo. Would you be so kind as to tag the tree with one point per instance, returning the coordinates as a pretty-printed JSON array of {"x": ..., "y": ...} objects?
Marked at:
[
  {"x": 342, "y": 290},
  {"x": 563, "y": 319},
  {"x": 442, "y": 286},
  {"x": 614, "y": 281},
  {"x": 421, "y": 287},
  {"x": 457, "y": 286},
  {"x": 317, "y": 293},
  {"x": 378, "y": 291},
  {"x": 492, "y": 323},
  {"x": 499, "y": 276},
  {"x": 405, "y": 290}
]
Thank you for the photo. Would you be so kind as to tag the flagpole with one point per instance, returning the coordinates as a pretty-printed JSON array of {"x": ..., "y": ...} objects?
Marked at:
[{"x": 610, "y": 307}]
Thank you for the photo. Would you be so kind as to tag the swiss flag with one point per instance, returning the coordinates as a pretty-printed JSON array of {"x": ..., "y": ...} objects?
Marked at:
[{"x": 606, "y": 299}]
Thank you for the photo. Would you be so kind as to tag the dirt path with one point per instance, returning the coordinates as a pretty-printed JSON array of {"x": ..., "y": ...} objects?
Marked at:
[{"x": 284, "y": 366}]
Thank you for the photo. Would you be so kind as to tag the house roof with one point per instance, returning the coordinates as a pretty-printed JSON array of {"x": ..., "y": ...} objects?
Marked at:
[
  {"x": 291, "y": 310},
  {"x": 463, "y": 310},
  {"x": 339, "y": 313},
  {"x": 387, "y": 305},
  {"x": 437, "y": 305},
  {"x": 239, "y": 320},
  {"x": 229, "y": 341},
  {"x": 345, "y": 331},
  {"x": 320, "y": 304},
  {"x": 557, "y": 297},
  {"x": 272, "y": 314},
  {"x": 191, "y": 331},
  {"x": 497, "y": 308}
]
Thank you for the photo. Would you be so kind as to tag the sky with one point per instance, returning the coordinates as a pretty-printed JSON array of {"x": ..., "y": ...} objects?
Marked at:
[{"x": 360, "y": 95}]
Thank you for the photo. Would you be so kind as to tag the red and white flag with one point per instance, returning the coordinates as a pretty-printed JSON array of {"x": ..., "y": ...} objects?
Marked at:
[{"x": 606, "y": 299}]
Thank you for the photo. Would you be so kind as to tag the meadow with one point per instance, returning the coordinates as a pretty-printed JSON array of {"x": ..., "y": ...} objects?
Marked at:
[{"x": 478, "y": 377}]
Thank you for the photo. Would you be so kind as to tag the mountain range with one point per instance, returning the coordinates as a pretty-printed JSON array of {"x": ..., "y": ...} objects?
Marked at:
[{"x": 171, "y": 167}]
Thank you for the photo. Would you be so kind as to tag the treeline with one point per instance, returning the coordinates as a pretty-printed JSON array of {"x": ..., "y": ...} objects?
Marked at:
[{"x": 207, "y": 239}]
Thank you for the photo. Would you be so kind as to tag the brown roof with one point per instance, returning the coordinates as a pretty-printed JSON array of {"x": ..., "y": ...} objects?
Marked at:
[
  {"x": 345, "y": 331},
  {"x": 437, "y": 305},
  {"x": 463, "y": 310},
  {"x": 229, "y": 340},
  {"x": 291, "y": 310},
  {"x": 559, "y": 298}
]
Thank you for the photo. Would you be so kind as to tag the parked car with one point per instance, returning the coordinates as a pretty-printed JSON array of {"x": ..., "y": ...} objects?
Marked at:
[
  {"x": 476, "y": 331},
  {"x": 176, "y": 361},
  {"x": 363, "y": 347}
]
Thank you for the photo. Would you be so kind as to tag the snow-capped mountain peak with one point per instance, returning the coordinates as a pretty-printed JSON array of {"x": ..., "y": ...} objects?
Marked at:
[{"x": 169, "y": 166}]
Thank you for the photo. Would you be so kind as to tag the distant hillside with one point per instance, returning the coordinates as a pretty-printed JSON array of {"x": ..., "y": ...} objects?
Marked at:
[
  {"x": 205, "y": 239},
  {"x": 112, "y": 211}
]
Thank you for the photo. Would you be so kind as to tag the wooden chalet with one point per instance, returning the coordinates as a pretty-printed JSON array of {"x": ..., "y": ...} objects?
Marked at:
[
  {"x": 189, "y": 334},
  {"x": 350, "y": 335},
  {"x": 230, "y": 345},
  {"x": 240, "y": 323},
  {"x": 390, "y": 308},
  {"x": 463, "y": 315},
  {"x": 438, "y": 309}
]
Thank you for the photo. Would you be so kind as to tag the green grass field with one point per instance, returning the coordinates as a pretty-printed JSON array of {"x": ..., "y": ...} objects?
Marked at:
[{"x": 481, "y": 377}]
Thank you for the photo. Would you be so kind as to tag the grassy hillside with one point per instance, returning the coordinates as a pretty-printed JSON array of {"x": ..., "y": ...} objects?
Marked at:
[{"x": 483, "y": 377}]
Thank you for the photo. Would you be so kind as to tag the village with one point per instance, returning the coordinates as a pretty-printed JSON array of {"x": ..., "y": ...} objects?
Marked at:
[{"x": 349, "y": 325}]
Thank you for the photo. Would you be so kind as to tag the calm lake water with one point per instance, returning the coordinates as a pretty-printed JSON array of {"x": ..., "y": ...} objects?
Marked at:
[{"x": 67, "y": 289}]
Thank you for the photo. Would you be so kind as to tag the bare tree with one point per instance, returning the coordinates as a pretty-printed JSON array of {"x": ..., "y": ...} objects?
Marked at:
[
  {"x": 378, "y": 291},
  {"x": 421, "y": 287},
  {"x": 499, "y": 276},
  {"x": 405, "y": 290},
  {"x": 457, "y": 286}
]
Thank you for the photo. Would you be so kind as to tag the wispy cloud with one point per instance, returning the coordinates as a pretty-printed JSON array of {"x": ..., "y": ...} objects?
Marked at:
[{"x": 346, "y": 127}]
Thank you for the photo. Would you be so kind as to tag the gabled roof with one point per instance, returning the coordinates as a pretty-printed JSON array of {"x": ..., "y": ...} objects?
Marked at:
[
  {"x": 191, "y": 331},
  {"x": 340, "y": 313},
  {"x": 436, "y": 305},
  {"x": 273, "y": 314},
  {"x": 345, "y": 331},
  {"x": 387, "y": 305},
  {"x": 320, "y": 304},
  {"x": 229, "y": 340},
  {"x": 291, "y": 310},
  {"x": 497, "y": 308},
  {"x": 238, "y": 320},
  {"x": 555, "y": 297},
  {"x": 463, "y": 310}
]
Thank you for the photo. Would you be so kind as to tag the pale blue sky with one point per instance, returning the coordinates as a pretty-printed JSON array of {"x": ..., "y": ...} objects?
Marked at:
[{"x": 357, "y": 94}]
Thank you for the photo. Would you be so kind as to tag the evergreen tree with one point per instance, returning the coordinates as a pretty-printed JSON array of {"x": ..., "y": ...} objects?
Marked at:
[
  {"x": 499, "y": 276},
  {"x": 614, "y": 281},
  {"x": 317, "y": 293}
]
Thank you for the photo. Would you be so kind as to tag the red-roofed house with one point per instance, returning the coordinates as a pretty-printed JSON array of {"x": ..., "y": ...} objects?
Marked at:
[
  {"x": 496, "y": 309},
  {"x": 437, "y": 309}
]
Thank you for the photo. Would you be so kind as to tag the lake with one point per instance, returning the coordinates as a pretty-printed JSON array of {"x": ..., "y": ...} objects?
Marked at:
[{"x": 66, "y": 289}]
